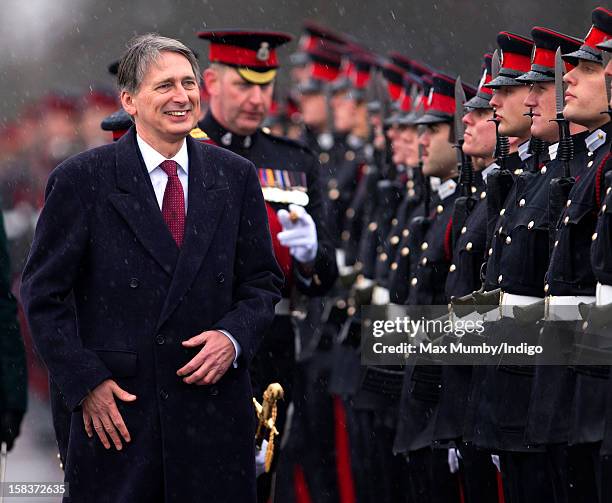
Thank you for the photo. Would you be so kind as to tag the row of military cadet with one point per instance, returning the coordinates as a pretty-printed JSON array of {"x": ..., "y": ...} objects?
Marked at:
[{"x": 517, "y": 214}]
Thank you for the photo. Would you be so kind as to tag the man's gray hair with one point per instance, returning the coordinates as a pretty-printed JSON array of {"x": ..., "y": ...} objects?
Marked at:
[{"x": 144, "y": 50}]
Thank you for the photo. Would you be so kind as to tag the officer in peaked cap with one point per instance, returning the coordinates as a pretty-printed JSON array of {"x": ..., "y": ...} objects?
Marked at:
[
  {"x": 240, "y": 82},
  {"x": 552, "y": 420}
]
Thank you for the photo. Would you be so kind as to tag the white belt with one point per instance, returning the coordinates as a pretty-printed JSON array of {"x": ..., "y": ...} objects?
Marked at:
[
  {"x": 283, "y": 308},
  {"x": 565, "y": 307},
  {"x": 507, "y": 301},
  {"x": 603, "y": 294},
  {"x": 380, "y": 296}
]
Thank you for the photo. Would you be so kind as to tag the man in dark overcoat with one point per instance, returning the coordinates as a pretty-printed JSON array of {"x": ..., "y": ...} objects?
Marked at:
[{"x": 150, "y": 282}]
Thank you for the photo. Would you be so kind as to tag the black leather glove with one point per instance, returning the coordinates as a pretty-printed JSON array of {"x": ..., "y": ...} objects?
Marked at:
[{"x": 10, "y": 423}]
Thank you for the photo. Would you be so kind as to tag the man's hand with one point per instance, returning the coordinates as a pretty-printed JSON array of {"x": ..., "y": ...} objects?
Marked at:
[
  {"x": 100, "y": 413},
  {"x": 299, "y": 233},
  {"x": 213, "y": 360}
]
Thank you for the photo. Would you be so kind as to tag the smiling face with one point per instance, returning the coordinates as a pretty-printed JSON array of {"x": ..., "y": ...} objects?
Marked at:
[
  {"x": 166, "y": 105},
  {"x": 479, "y": 137},
  {"x": 541, "y": 101},
  {"x": 585, "y": 96},
  {"x": 239, "y": 106},
  {"x": 509, "y": 108}
]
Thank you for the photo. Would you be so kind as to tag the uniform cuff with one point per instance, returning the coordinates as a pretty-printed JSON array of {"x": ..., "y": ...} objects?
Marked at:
[{"x": 237, "y": 349}]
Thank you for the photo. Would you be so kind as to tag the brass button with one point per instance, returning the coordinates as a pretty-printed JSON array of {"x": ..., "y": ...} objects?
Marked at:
[
  {"x": 556, "y": 242},
  {"x": 522, "y": 203},
  {"x": 474, "y": 189},
  {"x": 424, "y": 246},
  {"x": 463, "y": 230},
  {"x": 395, "y": 240},
  {"x": 490, "y": 251},
  {"x": 483, "y": 194},
  {"x": 469, "y": 246},
  {"x": 589, "y": 164},
  {"x": 589, "y": 153},
  {"x": 594, "y": 237},
  {"x": 518, "y": 171},
  {"x": 608, "y": 190},
  {"x": 604, "y": 208},
  {"x": 569, "y": 203},
  {"x": 406, "y": 233},
  {"x": 546, "y": 288},
  {"x": 502, "y": 211},
  {"x": 543, "y": 170},
  {"x": 508, "y": 240},
  {"x": 600, "y": 136},
  {"x": 585, "y": 325},
  {"x": 394, "y": 266},
  {"x": 350, "y": 155},
  {"x": 394, "y": 221},
  {"x": 373, "y": 226},
  {"x": 350, "y": 212},
  {"x": 410, "y": 184},
  {"x": 346, "y": 235},
  {"x": 324, "y": 157},
  {"x": 499, "y": 278},
  {"x": 424, "y": 261},
  {"x": 332, "y": 184},
  {"x": 530, "y": 224},
  {"x": 333, "y": 194},
  {"x": 566, "y": 220},
  {"x": 452, "y": 268},
  {"x": 439, "y": 208},
  {"x": 405, "y": 251},
  {"x": 501, "y": 229},
  {"x": 383, "y": 257},
  {"x": 414, "y": 281}
]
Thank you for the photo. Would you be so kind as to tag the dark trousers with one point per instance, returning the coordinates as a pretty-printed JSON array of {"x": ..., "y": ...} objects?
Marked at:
[
  {"x": 478, "y": 474},
  {"x": 430, "y": 478},
  {"x": 526, "y": 477}
]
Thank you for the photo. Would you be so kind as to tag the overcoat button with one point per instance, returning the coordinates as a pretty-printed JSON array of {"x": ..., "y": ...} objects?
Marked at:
[
  {"x": 160, "y": 339},
  {"x": 134, "y": 283},
  {"x": 163, "y": 394},
  {"x": 214, "y": 391},
  {"x": 220, "y": 278}
]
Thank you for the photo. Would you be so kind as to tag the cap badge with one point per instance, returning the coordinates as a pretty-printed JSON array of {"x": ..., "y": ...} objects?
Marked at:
[{"x": 263, "y": 53}]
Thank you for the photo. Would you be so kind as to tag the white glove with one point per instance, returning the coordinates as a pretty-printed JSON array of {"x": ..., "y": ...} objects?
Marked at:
[
  {"x": 260, "y": 459},
  {"x": 453, "y": 460},
  {"x": 299, "y": 236},
  {"x": 495, "y": 459}
]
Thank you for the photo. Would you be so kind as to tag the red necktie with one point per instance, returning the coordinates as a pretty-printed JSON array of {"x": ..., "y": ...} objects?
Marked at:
[{"x": 173, "y": 205}]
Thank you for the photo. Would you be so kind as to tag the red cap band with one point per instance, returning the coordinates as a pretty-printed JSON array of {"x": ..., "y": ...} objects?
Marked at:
[
  {"x": 395, "y": 90},
  {"x": 442, "y": 103},
  {"x": 324, "y": 72},
  {"x": 595, "y": 36},
  {"x": 518, "y": 62},
  {"x": 240, "y": 56}
]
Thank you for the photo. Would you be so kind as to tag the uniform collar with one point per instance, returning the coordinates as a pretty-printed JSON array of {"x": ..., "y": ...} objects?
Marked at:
[
  {"x": 595, "y": 140},
  {"x": 152, "y": 158},
  {"x": 523, "y": 151},
  {"x": 224, "y": 137},
  {"x": 485, "y": 172},
  {"x": 447, "y": 189}
]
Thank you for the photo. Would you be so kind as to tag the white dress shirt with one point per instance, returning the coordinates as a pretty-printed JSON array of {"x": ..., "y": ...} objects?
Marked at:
[{"x": 159, "y": 179}]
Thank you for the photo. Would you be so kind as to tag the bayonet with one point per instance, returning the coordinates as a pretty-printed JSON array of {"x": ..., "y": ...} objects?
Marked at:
[
  {"x": 606, "y": 61},
  {"x": 565, "y": 152},
  {"x": 463, "y": 161},
  {"x": 502, "y": 144}
]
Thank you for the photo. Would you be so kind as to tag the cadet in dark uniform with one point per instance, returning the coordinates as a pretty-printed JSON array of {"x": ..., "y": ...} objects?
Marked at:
[
  {"x": 240, "y": 81},
  {"x": 430, "y": 476},
  {"x": 570, "y": 279},
  {"x": 478, "y": 472}
]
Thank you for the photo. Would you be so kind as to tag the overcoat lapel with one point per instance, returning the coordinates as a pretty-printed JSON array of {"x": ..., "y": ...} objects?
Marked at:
[
  {"x": 206, "y": 197},
  {"x": 135, "y": 201}
]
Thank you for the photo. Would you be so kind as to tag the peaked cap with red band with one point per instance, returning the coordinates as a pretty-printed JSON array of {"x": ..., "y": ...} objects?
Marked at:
[
  {"x": 394, "y": 75},
  {"x": 516, "y": 59},
  {"x": 600, "y": 32},
  {"x": 316, "y": 36},
  {"x": 441, "y": 106},
  {"x": 117, "y": 123},
  {"x": 543, "y": 60},
  {"x": 484, "y": 94},
  {"x": 252, "y": 53}
]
